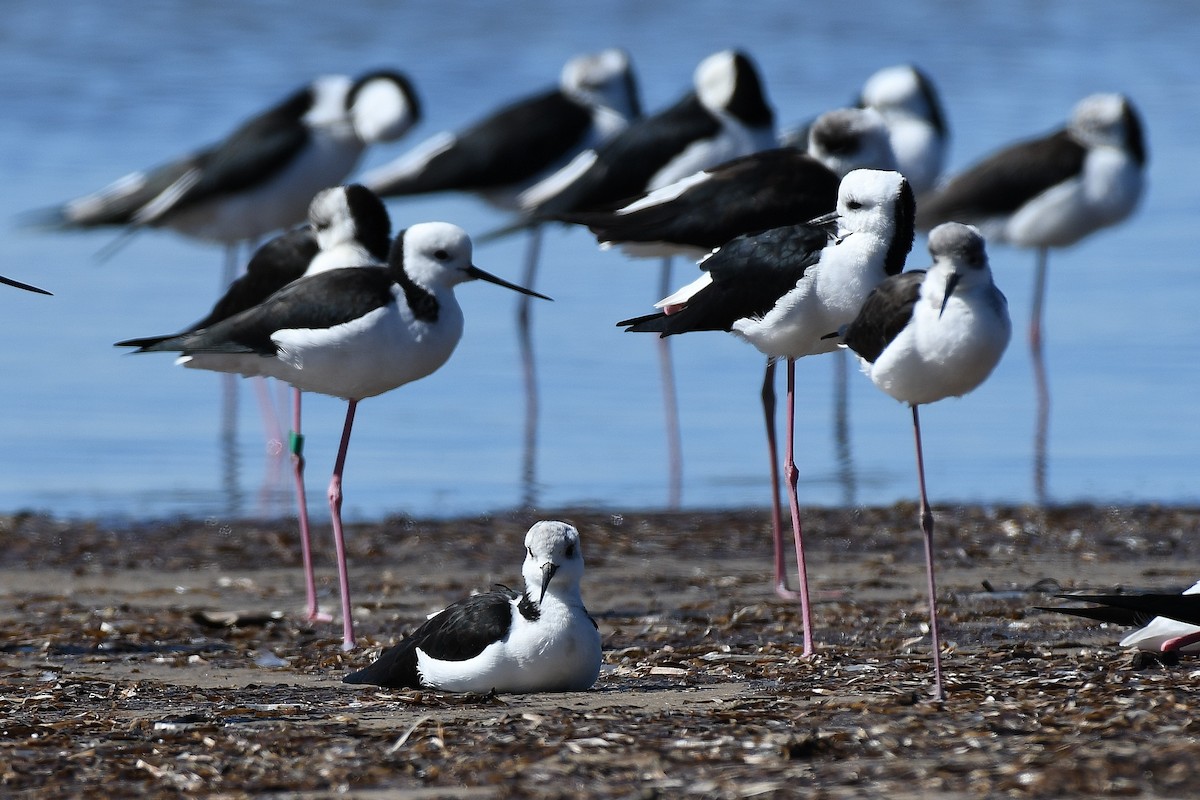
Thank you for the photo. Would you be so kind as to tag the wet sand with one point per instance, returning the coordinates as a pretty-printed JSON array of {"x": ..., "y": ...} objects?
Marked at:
[{"x": 113, "y": 682}]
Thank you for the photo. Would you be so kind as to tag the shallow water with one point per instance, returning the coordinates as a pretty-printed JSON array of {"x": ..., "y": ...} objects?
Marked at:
[{"x": 86, "y": 430}]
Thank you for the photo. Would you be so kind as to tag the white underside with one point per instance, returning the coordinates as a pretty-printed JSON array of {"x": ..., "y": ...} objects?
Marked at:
[
  {"x": 1151, "y": 637},
  {"x": 559, "y": 652},
  {"x": 1106, "y": 193},
  {"x": 826, "y": 298},
  {"x": 374, "y": 354},
  {"x": 942, "y": 356}
]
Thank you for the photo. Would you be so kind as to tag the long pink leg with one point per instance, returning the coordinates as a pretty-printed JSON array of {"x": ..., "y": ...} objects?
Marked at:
[
  {"x": 296, "y": 447},
  {"x": 768, "y": 402},
  {"x": 670, "y": 403},
  {"x": 793, "y": 475},
  {"x": 927, "y": 529},
  {"x": 1041, "y": 432},
  {"x": 529, "y": 372},
  {"x": 335, "y": 509}
]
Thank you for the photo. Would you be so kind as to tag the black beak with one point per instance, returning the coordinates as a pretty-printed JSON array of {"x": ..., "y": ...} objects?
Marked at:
[
  {"x": 826, "y": 221},
  {"x": 18, "y": 285},
  {"x": 950, "y": 284},
  {"x": 548, "y": 570},
  {"x": 477, "y": 273}
]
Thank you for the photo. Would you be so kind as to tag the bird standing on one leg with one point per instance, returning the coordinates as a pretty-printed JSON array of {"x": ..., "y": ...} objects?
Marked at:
[
  {"x": 782, "y": 290},
  {"x": 726, "y": 115},
  {"x": 923, "y": 336},
  {"x": 767, "y": 189},
  {"x": 351, "y": 333},
  {"x": 348, "y": 226},
  {"x": 1050, "y": 192},
  {"x": 509, "y": 150}
]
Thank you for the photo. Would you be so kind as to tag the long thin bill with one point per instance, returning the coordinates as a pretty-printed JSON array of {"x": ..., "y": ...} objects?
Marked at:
[
  {"x": 476, "y": 272},
  {"x": 27, "y": 287}
]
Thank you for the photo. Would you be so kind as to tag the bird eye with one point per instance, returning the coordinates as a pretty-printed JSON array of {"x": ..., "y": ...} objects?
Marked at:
[
  {"x": 853, "y": 205},
  {"x": 441, "y": 255},
  {"x": 570, "y": 551}
]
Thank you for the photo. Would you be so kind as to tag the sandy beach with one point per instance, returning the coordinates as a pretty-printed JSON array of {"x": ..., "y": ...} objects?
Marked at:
[{"x": 119, "y": 676}]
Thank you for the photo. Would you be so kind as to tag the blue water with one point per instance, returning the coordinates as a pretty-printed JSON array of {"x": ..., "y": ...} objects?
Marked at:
[{"x": 104, "y": 88}]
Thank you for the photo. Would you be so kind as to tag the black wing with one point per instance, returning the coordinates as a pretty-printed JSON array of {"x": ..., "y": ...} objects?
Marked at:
[
  {"x": 513, "y": 145},
  {"x": 277, "y": 263},
  {"x": 884, "y": 313},
  {"x": 1179, "y": 607},
  {"x": 251, "y": 154},
  {"x": 627, "y": 162},
  {"x": 317, "y": 301},
  {"x": 459, "y": 632},
  {"x": 764, "y": 190},
  {"x": 1117, "y": 616},
  {"x": 750, "y": 273},
  {"x": 1003, "y": 182}
]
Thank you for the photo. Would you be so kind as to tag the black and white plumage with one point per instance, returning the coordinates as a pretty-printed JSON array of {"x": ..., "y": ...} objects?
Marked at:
[
  {"x": 1054, "y": 190},
  {"x": 506, "y": 152},
  {"x": 1165, "y": 622},
  {"x": 1050, "y": 192},
  {"x": 348, "y": 226},
  {"x": 780, "y": 289},
  {"x": 756, "y": 192},
  {"x": 784, "y": 289},
  {"x": 924, "y": 336},
  {"x": 764, "y": 190},
  {"x": 261, "y": 177},
  {"x": 725, "y": 116},
  {"x": 539, "y": 640},
  {"x": 351, "y": 333},
  {"x": 905, "y": 96},
  {"x": 512, "y": 148}
]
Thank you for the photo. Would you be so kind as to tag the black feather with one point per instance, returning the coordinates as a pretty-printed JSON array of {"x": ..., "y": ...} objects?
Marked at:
[{"x": 459, "y": 632}]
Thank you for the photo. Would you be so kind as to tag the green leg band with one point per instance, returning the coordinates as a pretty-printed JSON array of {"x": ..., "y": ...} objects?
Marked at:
[{"x": 295, "y": 443}]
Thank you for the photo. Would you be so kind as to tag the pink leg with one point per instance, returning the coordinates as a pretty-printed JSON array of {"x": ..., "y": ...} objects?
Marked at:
[
  {"x": 275, "y": 441},
  {"x": 335, "y": 509},
  {"x": 670, "y": 403},
  {"x": 1042, "y": 385},
  {"x": 1179, "y": 641},
  {"x": 792, "y": 476},
  {"x": 296, "y": 446},
  {"x": 768, "y": 402},
  {"x": 927, "y": 529}
]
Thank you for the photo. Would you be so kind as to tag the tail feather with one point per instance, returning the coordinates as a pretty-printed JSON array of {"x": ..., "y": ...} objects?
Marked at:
[{"x": 650, "y": 323}]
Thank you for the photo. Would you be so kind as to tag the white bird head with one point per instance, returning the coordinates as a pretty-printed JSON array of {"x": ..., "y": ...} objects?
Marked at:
[
  {"x": 873, "y": 201},
  {"x": 552, "y": 551},
  {"x": 903, "y": 89},
  {"x": 603, "y": 79},
  {"x": 437, "y": 255},
  {"x": 1108, "y": 120},
  {"x": 847, "y": 139},
  {"x": 727, "y": 84},
  {"x": 351, "y": 215},
  {"x": 382, "y": 106}
]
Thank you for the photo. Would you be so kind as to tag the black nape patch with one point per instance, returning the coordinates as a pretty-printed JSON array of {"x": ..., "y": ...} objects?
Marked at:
[{"x": 422, "y": 302}]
